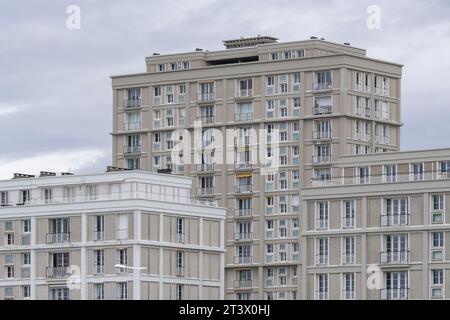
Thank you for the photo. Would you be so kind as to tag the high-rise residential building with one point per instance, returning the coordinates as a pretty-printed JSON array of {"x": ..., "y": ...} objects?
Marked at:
[
  {"x": 119, "y": 235},
  {"x": 380, "y": 230},
  {"x": 251, "y": 125}
]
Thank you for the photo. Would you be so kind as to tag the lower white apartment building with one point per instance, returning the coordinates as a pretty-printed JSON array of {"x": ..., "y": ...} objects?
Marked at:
[
  {"x": 380, "y": 230},
  {"x": 118, "y": 235}
]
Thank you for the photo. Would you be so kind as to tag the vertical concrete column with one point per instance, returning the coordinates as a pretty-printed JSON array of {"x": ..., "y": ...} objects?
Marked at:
[
  {"x": 222, "y": 260},
  {"x": 425, "y": 246},
  {"x": 33, "y": 258},
  {"x": 363, "y": 248},
  {"x": 303, "y": 283},
  {"x": 137, "y": 256},
  {"x": 200, "y": 259},
  {"x": 161, "y": 256}
]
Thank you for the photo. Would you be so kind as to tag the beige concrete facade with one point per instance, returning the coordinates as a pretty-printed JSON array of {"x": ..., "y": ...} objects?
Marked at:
[
  {"x": 320, "y": 99},
  {"x": 380, "y": 230},
  {"x": 119, "y": 235}
]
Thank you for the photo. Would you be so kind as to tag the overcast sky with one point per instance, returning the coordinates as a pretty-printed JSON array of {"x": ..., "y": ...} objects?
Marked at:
[{"x": 55, "y": 90}]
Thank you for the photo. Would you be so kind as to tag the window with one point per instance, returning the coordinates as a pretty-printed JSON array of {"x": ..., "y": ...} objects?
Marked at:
[
  {"x": 26, "y": 292},
  {"x": 59, "y": 230},
  {"x": 180, "y": 230},
  {"x": 8, "y": 292},
  {"x": 9, "y": 272},
  {"x": 4, "y": 198},
  {"x": 283, "y": 205},
  {"x": 273, "y": 56},
  {"x": 282, "y": 278},
  {"x": 270, "y": 85},
  {"x": 26, "y": 259},
  {"x": 245, "y": 88},
  {"x": 322, "y": 287},
  {"x": 269, "y": 229},
  {"x": 396, "y": 249},
  {"x": 283, "y": 180},
  {"x": 59, "y": 294},
  {"x": 322, "y": 251},
  {"x": 180, "y": 263},
  {"x": 396, "y": 284},
  {"x": 364, "y": 175},
  {"x": 322, "y": 215},
  {"x": 244, "y": 111},
  {"x": 437, "y": 283},
  {"x": 161, "y": 67},
  {"x": 133, "y": 163},
  {"x": 283, "y": 84},
  {"x": 122, "y": 260},
  {"x": 282, "y": 252},
  {"x": 283, "y": 108},
  {"x": 282, "y": 228},
  {"x": 417, "y": 171},
  {"x": 98, "y": 291},
  {"x": 122, "y": 226},
  {"x": 444, "y": 167},
  {"x": 9, "y": 239},
  {"x": 437, "y": 208},
  {"x": 269, "y": 204},
  {"x": 349, "y": 214},
  {"x": 99, "y": 262},
  {"x": 438, "y": 202},
  {"x": 24, "y": 197},
  {"x": 47, "y": 195},
  {"x": 121, "y": 291},
  {"x": 390, "y": 172},
  {"x": 348, "y": 283},
  {"x": 348, "y": 246}
]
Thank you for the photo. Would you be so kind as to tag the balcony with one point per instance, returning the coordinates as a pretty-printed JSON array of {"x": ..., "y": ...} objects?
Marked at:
[
  {"x": 243, "y": 260},
  {"x": 245, "y": 93},
  {"x": 321, "y": 259},
  {"x": 348, "y": 258},
  {"x": 132, "y": 104},
  {"x": 132, "y": 126},
  {"x": 53, "y": 238},
  {"x": 180, "y": 238},
  {"x": 58, "y": 272},
  {"x": 243, "y": 165},
  {"x": 132, "y": 149},
  {"x": 205, "y": 191},
  {"x": 98, "y": 269},
  {"x": 348, "y": 223},
  {"x": 348, "y": 295},
  {"x": 395, "y": 257},
  {"x": 206, "y": 97},
  {"x": 321, "y": 159},
  {"x": 382, "y": 140},
  {"x": 319, "y": 110},
  {"x": 322, "y": 224},
  {"x": 205, "y": 167},
  {"x": 243, "y": 284},
  {"x": 207, "y": 119},
  {"x": 395, "y": 294},
  {"x": 243, "y": 188},
  {"x": 243, "y": 236},
  {"x": 322, "y": 86},
  {"x": 243, "y": 212},
  {"x": 180, "y": 271},
  {"x": 321, "y": 295},
  {"x": 246, "y": 116},
  {"x": 99, "y": 236},
  {"x": 321, "y": 135},
  {"x": 396, "y": 220}
]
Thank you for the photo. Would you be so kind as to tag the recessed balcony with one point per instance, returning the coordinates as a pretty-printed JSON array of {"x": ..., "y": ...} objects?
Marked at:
[
  {"x": 396, "y": 220},
  {"x": 53, "y": 238},
  {"x": 395, "y": 294}
]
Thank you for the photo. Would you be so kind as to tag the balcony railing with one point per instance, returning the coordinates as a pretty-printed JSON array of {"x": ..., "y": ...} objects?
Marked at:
[
  {"x": 321, "y": 295},
  {"x": 321, "y": 259},
  {"x": 99, "y": 235},
  {"x": 395, "y": 294},
  {"x": 321, "y": 159},
  {"x": 208, "y": 96},
  {"x": 245, "y": 116},
  {"x": 180, "y": 271},
  {"x": 242, "y": 165},
  {"x": 395, "y": 220},
  {"x": 58, "y": 272},
  {"x": 243, "y": 236},
  {"x": 322, "y": 224},
  {"x": 348, "y": 258},
  {"x": 318, "y": 110},
  {"x": 243, "y": 260},
  {"x": 180, "y": 238},
  {"x": 245, "y": 93},
  {"x": 348, "y": 295},
  {"x": 321, "y": 135},
  {"x": 205, "y": 167},
  {"x": 243, "y": 188},
  {"x": 382, "y": 140},
  {"x": 243, "y": 283},
  {"x": 205, "y": 191},
  {"x": 132, "y": 149},
  {"x": 58, "y": 238},
  {"x": 395, "y": 257},
  {"x": 322, "y": 86},
  {"x": 132, "y": 126},
  {"x": 348, "y": 222},
  {"x": 243, "y": 212},
  {"x": 242, "y": 141},
  {"x": 207, "y": 119},
  {"x": 98, "y": 269},
  {"x": 362, "y": 136},
  {"x": 132, "y": 103}
]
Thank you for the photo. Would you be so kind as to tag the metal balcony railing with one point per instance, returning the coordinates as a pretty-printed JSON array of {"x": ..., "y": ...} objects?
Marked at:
[
  {"x": 394, "y": 257},
  {"x": 322, "y": 86},
  {"x": 243, "y": 283},
  {"x": 205, "y": 191},
  {"x": 243, "y": 260},
  {"x": 395, "y": 294},
  {"x": 243, "y": 165},
  {"x": 348, "y": 222},
  {"x": 205, "y": 167},
  {"x": 243, "y": 212},
  {"x": 99, "y": 235},
  {"x": 207, "y": 119},
  {"x": 98, "y": 269},
  {"x": 132, "y": 149},
  {"x": 318, "y": 110},
  {"x": 321, "y": 135},
  {"x": 322, "y": 224},
  {"x": 321, "y": 259},
  {"x": 58, "y": 238},
  {"x": 397, "y": 220},
  {"x": 132, "y": 103},
  {"x": 58, "y": 272},
  {"x": 348, "y": 258},
  {"x": 132, "y": 126},
  {"x": 243, "y": 188},
  {"x": 321, "y": 295},
  {"x": 207, "y": 96},
  {"x": 245, "y": 93},
  {"x": 243, "y": 236},
  {"x": 246, "y": 116},
  {"x": 321, "y": 159}
]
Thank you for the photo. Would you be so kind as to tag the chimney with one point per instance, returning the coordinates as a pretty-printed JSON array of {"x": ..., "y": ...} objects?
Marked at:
[
  {"x": 115, "y": 169},
  {"x": 22, "y": 176},
  {"x": 47, "y": 174},
  {"x": 313, "y": 38},
  {"x": 67, "y": 174}
]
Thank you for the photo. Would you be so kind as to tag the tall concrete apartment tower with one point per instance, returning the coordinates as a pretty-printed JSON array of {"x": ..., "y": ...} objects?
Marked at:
[{"x": 318, "y": 100}]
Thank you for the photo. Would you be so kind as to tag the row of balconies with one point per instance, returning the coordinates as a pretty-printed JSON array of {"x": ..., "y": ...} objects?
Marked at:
[
  {"x": 385, "y": 294},
  {"x": 392, "y": 257},
  {"x": 396, "y": 220}
]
